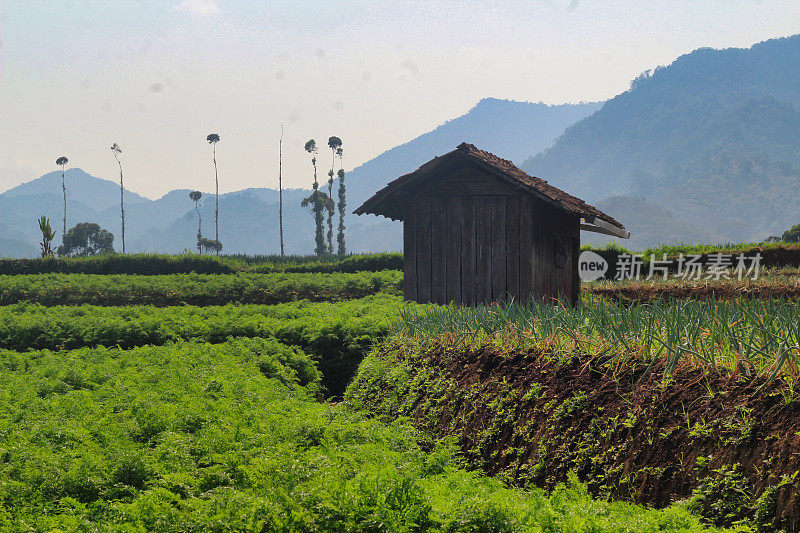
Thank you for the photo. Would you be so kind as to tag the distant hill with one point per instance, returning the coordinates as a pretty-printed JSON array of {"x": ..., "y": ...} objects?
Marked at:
[
  {"x": 87, "y": 189},
  {"x": 713, "y": 139},
  {"x": 512, "y": 130},
  {"x": 249, "y": 218}
]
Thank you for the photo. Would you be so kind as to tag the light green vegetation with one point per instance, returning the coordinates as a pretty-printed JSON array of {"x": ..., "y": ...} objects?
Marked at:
[
  {"x": 338, "y": 335},
  {"x": 197, "y": 437}
]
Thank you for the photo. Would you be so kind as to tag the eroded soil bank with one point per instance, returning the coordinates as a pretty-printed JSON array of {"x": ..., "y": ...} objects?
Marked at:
[{"x": 711, "y": 437}]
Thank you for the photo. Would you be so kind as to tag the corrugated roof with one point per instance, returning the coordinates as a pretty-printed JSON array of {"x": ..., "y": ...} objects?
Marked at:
[{"x": 381, "y": 202}]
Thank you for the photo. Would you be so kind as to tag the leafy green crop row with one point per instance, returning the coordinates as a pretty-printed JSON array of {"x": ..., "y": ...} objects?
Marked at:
[
  {"x": 194, "y": 289},
  {"x": 151, "y": 264},
  {"x": 337, "y": 334},
  {"x": 197, "y": 437}
]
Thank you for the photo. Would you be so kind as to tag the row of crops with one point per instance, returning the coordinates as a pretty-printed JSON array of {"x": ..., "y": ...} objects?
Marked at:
[
  {"x": 159, "y": 264},
  {"x": 339, "y": 334},
  {"x": 194, "y": 289},
  {"x": 751, "y": 336},
  {"x": 207, "y": 418}
]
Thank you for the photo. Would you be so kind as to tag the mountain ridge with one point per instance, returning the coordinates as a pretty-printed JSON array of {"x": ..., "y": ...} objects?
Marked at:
[{"x": 169, "y": 223}]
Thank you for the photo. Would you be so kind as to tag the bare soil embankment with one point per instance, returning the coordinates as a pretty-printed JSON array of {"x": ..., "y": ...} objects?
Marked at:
[{"x": 730, "y": 444}]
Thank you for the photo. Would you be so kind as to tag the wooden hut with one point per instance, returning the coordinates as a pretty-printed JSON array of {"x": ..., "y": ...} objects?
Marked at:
[{"x": 477, "y": 229}]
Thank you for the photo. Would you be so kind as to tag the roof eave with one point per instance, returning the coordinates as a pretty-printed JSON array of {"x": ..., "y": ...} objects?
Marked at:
[{"x": 598, "y": 225}]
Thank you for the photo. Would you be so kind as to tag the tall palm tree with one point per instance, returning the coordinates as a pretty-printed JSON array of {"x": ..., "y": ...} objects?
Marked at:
[
  {"x": 334, "y": 143},
  {"x": 62, "y": 162},
  {"x": 213, "y": 139},
  {"x": 195, "y": 197},
  {"x": 316, "y": 202},
  {"x": 342, "y": 248},
  {"x": 116, "y": 150}
]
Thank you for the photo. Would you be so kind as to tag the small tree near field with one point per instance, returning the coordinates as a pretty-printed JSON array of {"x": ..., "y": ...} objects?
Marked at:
[
  {"x": 792, "y": 234},
  {"x": 47, "y": 236},
  {"x": 210, "y": 245},
  {"x": 195, "y": 197},
  {"x": 86, "y": 239}
]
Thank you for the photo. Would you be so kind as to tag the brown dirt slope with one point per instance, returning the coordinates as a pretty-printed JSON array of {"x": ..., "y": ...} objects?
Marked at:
[{"x": 731, "y": 448}]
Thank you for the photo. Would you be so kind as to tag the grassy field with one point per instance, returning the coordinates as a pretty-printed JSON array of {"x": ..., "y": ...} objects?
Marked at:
[{"x": 144, "y": 413}]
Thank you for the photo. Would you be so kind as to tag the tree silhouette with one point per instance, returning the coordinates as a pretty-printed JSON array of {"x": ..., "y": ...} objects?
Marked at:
[
  {"x": 209, "y": 244},
  {"x": 47, "y": 236},
  {"x": 342, "y": 247},
  {"x": 116, "y": 150},
  {"x": 334, "y": 143},
  {"x": 315, "y": 201},
  {"x": 62, "y": 162},
  {"x": 213, "y": 139},
  {"x": 85, "y": 239},
  {"x": 195, "y": 197},
  {"x": 319, "y": 202}
]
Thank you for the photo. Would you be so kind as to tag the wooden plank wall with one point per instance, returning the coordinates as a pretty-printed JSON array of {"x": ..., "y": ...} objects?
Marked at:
[
  {"x": 439, "y": 237},
  {"x": 410, "y": 252},
  {"x": 475, "y": 247},
  {"x": 468, "y": 250},
  {"x": 454, "y": 207},
  {"x": 424, "y": 254}
]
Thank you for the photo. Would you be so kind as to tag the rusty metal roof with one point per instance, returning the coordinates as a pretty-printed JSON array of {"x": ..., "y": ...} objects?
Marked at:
[{"x": 385, "y": 201}]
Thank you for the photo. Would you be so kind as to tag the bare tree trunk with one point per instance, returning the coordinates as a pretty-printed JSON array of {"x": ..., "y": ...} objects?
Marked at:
[
  {"x": 330, "y": 196},
  {"x": 64, "y": 190},
  {"x": 319, "y": 232},
  {"x": 199, "y": 227},
  {"x": 121, "y": 204},
  {"x": 340, "y": 239},
  {"x": 280, "y": 188},
  {"x": 216, "y": 211}
]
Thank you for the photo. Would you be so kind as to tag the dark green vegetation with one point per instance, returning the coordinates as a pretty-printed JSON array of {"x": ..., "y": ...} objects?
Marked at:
[
  {"x": 86, "y": 239},
  {"x": 209, "y": 419},
  {"x": 533, "y": 415},
  {"x": 338, "y": 335},
  {"x": 195, "y": 289},
  {"x": 715, "y": 136},
  {"x": 149, "y": 264},
  {"x": 652, "y": 402}
]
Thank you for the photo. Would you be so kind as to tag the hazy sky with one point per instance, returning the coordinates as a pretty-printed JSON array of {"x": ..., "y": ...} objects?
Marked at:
[{"x": 158, "y": 76}]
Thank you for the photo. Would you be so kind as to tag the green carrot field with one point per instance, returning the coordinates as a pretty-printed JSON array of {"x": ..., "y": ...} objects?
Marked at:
[{"x": 126, "y": 408}]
